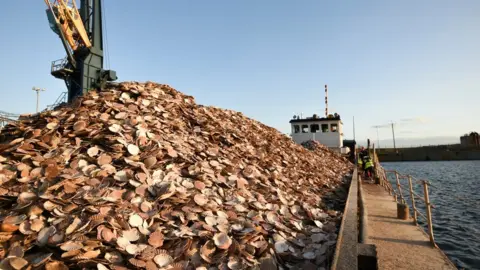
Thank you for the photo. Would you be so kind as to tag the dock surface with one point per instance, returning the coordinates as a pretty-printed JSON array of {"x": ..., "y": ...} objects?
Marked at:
[{"x": 400, "y": 244}]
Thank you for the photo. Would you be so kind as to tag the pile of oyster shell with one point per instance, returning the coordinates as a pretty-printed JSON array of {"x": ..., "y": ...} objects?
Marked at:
[{"x": 139, "y": 176}]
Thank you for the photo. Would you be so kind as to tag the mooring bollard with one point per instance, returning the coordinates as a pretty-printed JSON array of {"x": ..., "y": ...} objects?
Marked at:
[{"x": 402, "y": 211}]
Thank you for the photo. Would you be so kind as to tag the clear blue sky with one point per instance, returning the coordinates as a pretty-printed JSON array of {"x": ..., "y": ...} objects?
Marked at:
[{"x": 382, "y": 60}]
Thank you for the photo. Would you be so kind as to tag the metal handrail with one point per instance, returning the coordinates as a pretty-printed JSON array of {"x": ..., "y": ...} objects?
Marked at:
[
  {"x": 59, "y": 64},
  {"x": 60, "y": 99},
  {"x": 397, "y": 193}
]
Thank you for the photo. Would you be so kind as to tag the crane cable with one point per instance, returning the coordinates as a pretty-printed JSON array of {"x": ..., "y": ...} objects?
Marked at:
[{"x": 105, "y": 29}]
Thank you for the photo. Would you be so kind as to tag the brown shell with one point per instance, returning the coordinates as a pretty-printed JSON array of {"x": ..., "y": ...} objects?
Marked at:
[
  {"x": 156, "y": 239},
  {"x": 79, "y": 125},
  {"x": 137, "y": 263},
  {"x": 55, "y": 265},
  {"x": 120, "y": 173},
  {"x": 17, "y": 263},
  {"x": 151, "y": 265}
]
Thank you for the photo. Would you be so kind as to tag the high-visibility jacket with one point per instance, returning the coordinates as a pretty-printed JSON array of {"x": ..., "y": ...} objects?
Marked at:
[
  {"x": 368, "y": 164},
  {"x": 360, "y": 162}
]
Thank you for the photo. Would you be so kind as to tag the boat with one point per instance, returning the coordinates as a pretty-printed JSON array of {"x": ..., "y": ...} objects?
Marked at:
[{"x": 325, "y": 130}]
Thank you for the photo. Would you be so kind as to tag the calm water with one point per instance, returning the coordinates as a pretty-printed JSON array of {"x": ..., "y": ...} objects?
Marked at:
[{"x": 456, "y": 197}]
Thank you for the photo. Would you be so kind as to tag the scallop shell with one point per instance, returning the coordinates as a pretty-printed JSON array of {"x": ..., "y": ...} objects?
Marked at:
[
  {"x": 124, "y": 166},
  {"x": 156, "y": 239},
  {"x": 14, "y": 219},
  {"x": 114, "y": 257},
  {"x": 49, "y": 206},
  {"x": 163, "y": 260},
  {"x": 200, "y": 199},
  {"x": 272, "y": 217},
  {"x": 104, "y": 159},
  {"x": 135, "y": 220},
  {"x": 52, "y": 125},
  {"x": 121, "y": 176},
  {"x": 44, "y": 234},
  {"x": 131, "y": 235},
  {"x": 6, "y": 227},
  {"x": 40, "y": 258},
  {"x": 72, "y": 253},
  {"x": 92, "y": 254},
  {"x": 151, "y": 265},
  {"x": 145, "y": 206},
  {"x": 222, "y": 240},
  {"x": 16, "y": 251},
  {"x": 115, "y": 128},
  {"x": 137, "y": 263},
  {"x": 148, "y": 253},
  {"x": 25, "y": 228},
  {"x": 79, "y": 125},
  {"x": 26, "y": 197},
  {"x": 132, "y": 249},
  {"x": 71, "y": 245},
  {"x": 199, "y": 185},
  {"x": 107, "y": 235},
  {"x": 211, "y": 220},
  {"x": 133, "y": 149},
  {"x": 123, "y": 242},
  {"x": 17, "y": 263},
  {"x": 74, "y": 226},
  {"x": 207, "y": 250},
  {"x": 92, "y": 151},
  {"x": 55, "y": 265},
  {"x": 121, "y": 115}
]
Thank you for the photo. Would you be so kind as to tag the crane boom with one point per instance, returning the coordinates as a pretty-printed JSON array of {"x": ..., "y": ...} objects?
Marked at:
[
  {"x": 81, "y": 34},
  {"x": 68, "y": 21}
]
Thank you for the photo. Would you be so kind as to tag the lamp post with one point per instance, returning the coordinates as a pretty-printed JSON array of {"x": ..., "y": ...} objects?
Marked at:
[
  {"x": 37, "y": 89},
  {"x": 393, "y": 135}
]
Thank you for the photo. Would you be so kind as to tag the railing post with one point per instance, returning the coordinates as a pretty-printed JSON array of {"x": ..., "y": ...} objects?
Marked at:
[
  {"x": 429, "y": 212},
  {"x": 413, "y": 200},
  {"x": 399, "y": 188},
  {"x": 385, "y": 181}
]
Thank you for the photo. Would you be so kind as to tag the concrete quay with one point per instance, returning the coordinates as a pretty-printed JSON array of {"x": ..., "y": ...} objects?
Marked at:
[
  {"x": 400, "y": 244},
  {"x": 372, "y": 237}
]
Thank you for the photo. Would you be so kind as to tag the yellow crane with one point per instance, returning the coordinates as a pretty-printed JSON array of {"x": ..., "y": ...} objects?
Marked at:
[
  {"x": 81, "y": 33},
  {"x": 68, "y": 23}
]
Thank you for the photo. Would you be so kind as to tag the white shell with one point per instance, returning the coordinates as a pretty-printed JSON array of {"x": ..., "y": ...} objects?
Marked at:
[
  {"x": 163, "y": 260},
  {"x": 135, "y": 220}
]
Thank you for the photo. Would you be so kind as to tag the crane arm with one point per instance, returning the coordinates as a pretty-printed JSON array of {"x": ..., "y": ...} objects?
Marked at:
[{"x": 66, "y": 21}]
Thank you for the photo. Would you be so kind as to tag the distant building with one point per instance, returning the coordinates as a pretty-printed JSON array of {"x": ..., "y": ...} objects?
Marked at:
[
  {"x": 470, "y": 140},
  {"x": 326, "y": 130}
]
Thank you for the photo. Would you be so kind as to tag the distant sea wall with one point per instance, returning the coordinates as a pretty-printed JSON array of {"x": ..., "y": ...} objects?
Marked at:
[{"x": 429, "y": 153}]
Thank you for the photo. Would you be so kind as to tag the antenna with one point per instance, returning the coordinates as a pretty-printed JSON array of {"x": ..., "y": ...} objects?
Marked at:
[{"x": 326, "y": 101}]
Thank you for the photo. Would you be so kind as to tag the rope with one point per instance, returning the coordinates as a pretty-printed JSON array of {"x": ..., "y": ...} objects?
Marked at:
[{"x": 433, "y": 187}]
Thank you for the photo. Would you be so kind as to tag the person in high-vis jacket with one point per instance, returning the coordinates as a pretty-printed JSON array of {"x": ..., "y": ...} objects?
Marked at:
[
  {"x": 368, "y": 167},
  {"x": 360, "y": 163}
]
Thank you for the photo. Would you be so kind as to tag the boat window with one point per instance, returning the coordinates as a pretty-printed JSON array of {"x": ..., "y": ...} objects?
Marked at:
[
  {"x": 314, "y": 128},
  {"x": 334, "y": 127},
  {"x": 296, "y": 129},
  {"x": 324, "y": 127},
  {"x": 304, "y": 128}
]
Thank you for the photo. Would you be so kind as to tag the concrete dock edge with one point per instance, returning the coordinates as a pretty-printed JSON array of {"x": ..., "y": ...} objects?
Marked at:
[
  {"x": 352, "y": 250},
  {"x": 363, "y": 232},
  {"x": 346, "y": 254}
]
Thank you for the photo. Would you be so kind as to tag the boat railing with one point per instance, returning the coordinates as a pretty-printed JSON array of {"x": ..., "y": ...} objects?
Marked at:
[{"x": 405, "y": 188}]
